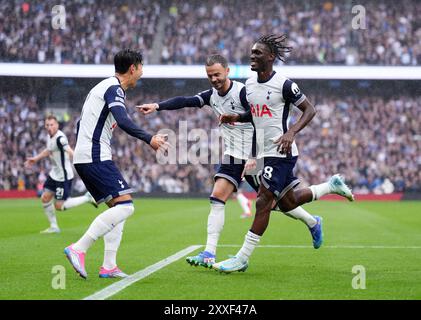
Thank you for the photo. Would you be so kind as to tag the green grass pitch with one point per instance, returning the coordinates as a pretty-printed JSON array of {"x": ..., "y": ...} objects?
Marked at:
[{"x": 384, "y": 238}]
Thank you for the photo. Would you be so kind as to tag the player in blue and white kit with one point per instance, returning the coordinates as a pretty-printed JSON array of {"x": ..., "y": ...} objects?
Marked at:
[
  {"x": 226, "y": 96},
  {"x": 271, "y": 96},
  {"x": 58, "y": 185},
  {"x": 103, "y": 110}
]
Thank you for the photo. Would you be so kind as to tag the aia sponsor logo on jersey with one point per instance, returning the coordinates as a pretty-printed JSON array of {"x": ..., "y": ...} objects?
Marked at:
[{"x": 260, "y": 111}]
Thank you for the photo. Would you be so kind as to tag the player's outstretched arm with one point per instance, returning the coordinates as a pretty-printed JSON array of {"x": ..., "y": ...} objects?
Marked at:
[
  {"x": 32, "y": 160},
  {"x": 147, "y": 108},
  {"x": 171, "y": 104},
  {"x": 127, "y": 125}
]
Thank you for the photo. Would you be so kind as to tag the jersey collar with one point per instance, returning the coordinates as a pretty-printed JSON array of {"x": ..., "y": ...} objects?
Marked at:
[
  {"x": 229, "y": 89},
  {"x": 271, "y": 76}
]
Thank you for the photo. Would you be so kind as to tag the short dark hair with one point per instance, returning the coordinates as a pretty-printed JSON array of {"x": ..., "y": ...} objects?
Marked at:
[
  {"x": 216, "y": 58},
  {"x": 125, "y": 58},
  {"x": 276, "y": 44}
]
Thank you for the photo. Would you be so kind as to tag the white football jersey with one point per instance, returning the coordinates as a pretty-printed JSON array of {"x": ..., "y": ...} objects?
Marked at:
[
  {"x": 270, "y": 103},
  {"x": 61, "y": 168},
  {"x": 238, "y": 138},
  {"x": 96, "y": 124}
]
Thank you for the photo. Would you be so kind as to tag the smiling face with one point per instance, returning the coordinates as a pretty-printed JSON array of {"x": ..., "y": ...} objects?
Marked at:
[
  {"x": 217, "y": 75},
  {"x": 261, "y": 59}
]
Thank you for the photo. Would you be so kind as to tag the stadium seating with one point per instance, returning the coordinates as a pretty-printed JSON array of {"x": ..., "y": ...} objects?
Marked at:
[
  {"x": 372, "y": 140},
  {"x": 182, "y": 32}
]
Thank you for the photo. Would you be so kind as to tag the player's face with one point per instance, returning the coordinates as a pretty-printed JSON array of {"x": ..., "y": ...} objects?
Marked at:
[
  {"x": 51, "y": 126},
  {"x": 260, "y": 57},
  {"x": 217, "y": 75},
  {"x": 136, "y": 73}
]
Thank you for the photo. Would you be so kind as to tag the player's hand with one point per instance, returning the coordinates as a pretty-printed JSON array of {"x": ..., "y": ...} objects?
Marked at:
[
  {"x": 160, "y": 141},
  {"x": 249, "y": 166},
  {"x": 228, "y": 118},
  {"x": 147, "y": 108},
  {"x": 29, "y": 162},
  {"x": 284, "y": 142}
]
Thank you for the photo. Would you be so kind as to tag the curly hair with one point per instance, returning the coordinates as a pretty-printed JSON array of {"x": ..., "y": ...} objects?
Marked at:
[{"x": 276, "y": 44}]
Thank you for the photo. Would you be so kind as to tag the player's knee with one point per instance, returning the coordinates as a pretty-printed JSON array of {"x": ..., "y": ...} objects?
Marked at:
[
  {"x": 221, "y": 195},
  {"x": 45, "y": 198}
]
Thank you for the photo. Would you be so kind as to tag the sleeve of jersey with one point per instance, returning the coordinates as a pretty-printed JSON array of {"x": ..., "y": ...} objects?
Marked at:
[
  {"x": 126, "y": 124},
  {"x": 196, "y": 101},
  {"x": 292, "y": 93},
  {"x": 247, "y": 116},
  {"x": 62, "y": 143},
  {"x": 114, "y": 96}
]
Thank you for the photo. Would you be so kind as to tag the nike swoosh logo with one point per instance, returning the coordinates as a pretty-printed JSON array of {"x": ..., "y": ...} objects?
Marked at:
[{"x": 249, "y": 93}]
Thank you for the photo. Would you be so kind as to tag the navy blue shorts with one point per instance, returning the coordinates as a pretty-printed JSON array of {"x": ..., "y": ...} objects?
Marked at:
[
  {"x": 103, "y": 180},
  {"x": 231, "y": 169},
  {"x": 253, "y": 181},
  {"x": 277, "y": 175},
  {"x": 61, "y": 189}
]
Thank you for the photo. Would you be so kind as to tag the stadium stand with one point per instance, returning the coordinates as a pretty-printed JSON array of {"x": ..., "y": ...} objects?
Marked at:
[
  {"x": 373, "y": 140},
  {"x": 182, "y": 32}
]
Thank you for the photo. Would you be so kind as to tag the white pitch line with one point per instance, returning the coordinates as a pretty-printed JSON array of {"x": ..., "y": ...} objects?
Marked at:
[
  {"x": 122, "y": 284},
  {"x": 327, "y": 247}
]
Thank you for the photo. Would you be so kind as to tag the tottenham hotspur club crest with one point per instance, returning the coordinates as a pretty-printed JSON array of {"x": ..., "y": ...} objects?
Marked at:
[
  {"x": 268, "y": 96},
  {"x": 121, "y": 184}
]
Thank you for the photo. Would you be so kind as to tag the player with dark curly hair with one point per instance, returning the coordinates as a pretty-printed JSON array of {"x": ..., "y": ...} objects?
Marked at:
[{"x": 271, "y": 97}]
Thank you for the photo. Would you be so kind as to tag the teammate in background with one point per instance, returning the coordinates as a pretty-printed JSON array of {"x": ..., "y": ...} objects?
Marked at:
[
  {"x": 226, "y": 96},
  {"x": 270, "y": 96},
  {"x": 103, "y": 110},
  {"x": 244, "y": 202},
  {"x": 59, "y": 181}
]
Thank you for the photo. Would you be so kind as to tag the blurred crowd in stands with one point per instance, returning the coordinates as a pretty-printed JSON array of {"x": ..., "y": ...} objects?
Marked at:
[
  {"x": 320, "y": 31},
  {"x": 375, "y": 142}
]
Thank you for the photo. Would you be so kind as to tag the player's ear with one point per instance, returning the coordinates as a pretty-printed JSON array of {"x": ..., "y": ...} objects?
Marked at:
[{"x": 227, "y": 70}]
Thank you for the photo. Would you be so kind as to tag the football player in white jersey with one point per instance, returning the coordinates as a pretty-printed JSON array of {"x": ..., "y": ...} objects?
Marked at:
[
  {"x": 226, "y": 96},
  {"x": 270, "y": 96},
  {"x": 103, "y": 110},
  {"x": 59, "y": 181}
]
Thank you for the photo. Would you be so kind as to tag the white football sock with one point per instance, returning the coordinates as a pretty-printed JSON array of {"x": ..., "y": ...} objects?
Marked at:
[
  {"x": 243, "y": 201},
  {"x": 300, "y": 214},
  {"x": 103, "y": 224},
  {"x": 216, "y": 221},
  {"x": 74, "y": 202},
  {"x": 50, "y": 212},
  {"x": 250, "y": 242},
  {"x": 320, "y": 190},
  {"x": 112, "y": 242}
]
